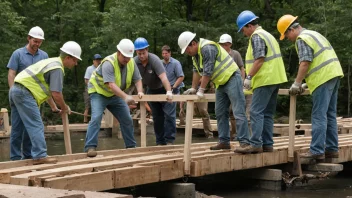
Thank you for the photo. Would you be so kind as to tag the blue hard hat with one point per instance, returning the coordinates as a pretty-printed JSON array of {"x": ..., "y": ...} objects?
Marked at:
[
  {"x": 97, "y": 56},
  {"x": 140, "y": 43},
  {"x": 244, "y": 18}
]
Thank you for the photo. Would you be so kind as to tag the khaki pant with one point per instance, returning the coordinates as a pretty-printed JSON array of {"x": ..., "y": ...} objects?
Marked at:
[{"x": 201, "y": 109}]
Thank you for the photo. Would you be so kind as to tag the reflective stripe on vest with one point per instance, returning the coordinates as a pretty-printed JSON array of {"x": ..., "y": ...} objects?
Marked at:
[
  {"x": 96, "y": 82},
  {"x": 33, "y": 78},
  {"x": 272, "y": 71},
  {"x": 224, "y": 65},
  {"x": 325, "y": 64}
]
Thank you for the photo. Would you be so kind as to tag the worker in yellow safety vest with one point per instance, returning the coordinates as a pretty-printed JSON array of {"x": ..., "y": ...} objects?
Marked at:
[
  {"x": 106, "y": 86},
  {"x": 265, "y": 72},
  {"x": 321, "y": 69},
  {"x": 40, "y": 82},
  {"x": 211, "y": 62}
]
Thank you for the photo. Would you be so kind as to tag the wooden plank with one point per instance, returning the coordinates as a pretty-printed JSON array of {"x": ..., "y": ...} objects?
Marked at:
[
  {"x": 169, "y": 169},
  {"x": 188, "y": 137},
  {"x": 252, "y": 160},
  {"x": 175, "y": 98},
  {"x": 5, "y": 120},
  {"x": 292, "y": 119},
  {"x": 96, "y": 181},
  {"x": 143, "y": 124},
  {"x": 237, "y": 162},
  {"x": 67, "y": 136},
  {"x": 133, "y": 176},
  {"x": 271, "y": 158}
]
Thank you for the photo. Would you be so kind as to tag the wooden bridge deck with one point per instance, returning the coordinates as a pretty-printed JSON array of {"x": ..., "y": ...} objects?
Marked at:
[{"x": 130, "y": 167}]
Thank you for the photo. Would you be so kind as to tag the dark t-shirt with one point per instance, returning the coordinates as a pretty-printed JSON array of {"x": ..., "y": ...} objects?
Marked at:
[{"x": 150, "y": 73}]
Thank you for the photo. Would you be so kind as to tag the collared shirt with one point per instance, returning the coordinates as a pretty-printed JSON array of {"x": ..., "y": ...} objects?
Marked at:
[
  {"x": 305, "y": 53},
  {"x": 173, "y": 71},
  {"x": 150, "y": 73},
  {"x": 259, "y": 47},
  {"x": 209, "y": 53},
  {"x": 89, "y": 72},
  {"x": 22, "y": 58}
]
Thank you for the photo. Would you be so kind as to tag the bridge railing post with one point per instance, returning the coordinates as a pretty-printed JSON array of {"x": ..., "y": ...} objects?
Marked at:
[
  {"x": 188, "y": 137},
  {"x": 143, "y": 124},
  {"x": 292, "y": 123}
]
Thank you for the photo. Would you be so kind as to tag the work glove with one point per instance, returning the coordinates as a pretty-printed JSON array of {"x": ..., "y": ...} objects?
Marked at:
[
  {"x": 190, "y": 91},
  {"x": 66, "y": 110},
  {"x": 296, "y": 89},
  {"x": 248, "y": 83},
  {"x": 140, "y": 95},
  {"x": 304, "y": 86},
  {"x": 129, "y": 100},
  {"x": 169, "y": 96},
  {"x": 200, "y": 93}
]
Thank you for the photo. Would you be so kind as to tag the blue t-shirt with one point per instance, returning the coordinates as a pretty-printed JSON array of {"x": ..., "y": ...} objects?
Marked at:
[
  {"x": 21, "y": 59},
  {"x": 173, "y": 71}
]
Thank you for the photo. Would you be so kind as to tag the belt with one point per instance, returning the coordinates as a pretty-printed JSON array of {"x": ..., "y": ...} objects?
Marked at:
[{"x": 22, "y": 86}]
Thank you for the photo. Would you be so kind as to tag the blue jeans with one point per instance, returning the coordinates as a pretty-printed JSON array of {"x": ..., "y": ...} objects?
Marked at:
[
  {"x": 26, "y": 121},
  {"x": 119, "y": 108},
  {"x": 231, "y": 93},
  {"x": 324, "y": 124},
  {"x": 262, "y": 111},
  {"x": 164, "y": 117}
]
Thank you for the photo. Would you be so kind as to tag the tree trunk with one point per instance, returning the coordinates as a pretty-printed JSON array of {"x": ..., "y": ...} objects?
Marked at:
[
  {"x": 189, "y": 10},
  {"x": 349, "y": 88}
]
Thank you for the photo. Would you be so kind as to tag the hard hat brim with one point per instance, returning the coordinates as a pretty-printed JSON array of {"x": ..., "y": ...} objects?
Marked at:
[
  {"x": 282, "y": 37},
  {"x": 141, "y": 47},
  {"x": 256, "y": 17},
  {"x": 37, "y": 37},
  {"x": 79, "y": 58}
]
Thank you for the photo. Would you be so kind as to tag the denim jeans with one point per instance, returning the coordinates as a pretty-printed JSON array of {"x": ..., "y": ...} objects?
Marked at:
[
  {"x": 119, "y": 108},
  {"x": 324, "y": 124},
  {"x": 262, "y": 111},
  {"x": 164, "y": 117},
  {"x": 26, "y": 121},
  {"x": 231, "y": 93}
]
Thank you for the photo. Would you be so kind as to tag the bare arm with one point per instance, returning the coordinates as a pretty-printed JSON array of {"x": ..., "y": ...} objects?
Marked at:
[
  {"x": 256, "y": 66},
  {"x": 11, "y": 77},
  {"x": 243, "y": 74},
  {"x": 59, "y": 99},
  {"x": 302, "y": 71},
  {"x": 195, "y": 80},
  {"x": 117, "y": 91},
  {"x": 178, "y": 81},
  {"x": 165, "y": 81},
  {"x": 52, "y": 104},
  {"x": 205, "y": 81},
  {"x": 86, "y": 81},
  {"x": 139, "y": 86}
]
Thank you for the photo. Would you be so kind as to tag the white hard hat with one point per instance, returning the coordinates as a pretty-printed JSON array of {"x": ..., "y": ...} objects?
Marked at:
[
  {"x": 225, "y": 38},
  {"x": 72, "y": 48},
  {"x": 185, "y": 39},
  {"x": 36, "y": 32},
  {"x": 126, "y": 47}
]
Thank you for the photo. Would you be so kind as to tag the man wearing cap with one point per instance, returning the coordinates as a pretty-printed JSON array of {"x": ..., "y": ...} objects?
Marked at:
[
  {"x": 96, "y": 61},
  {"x": 321, "y": 69},
  {"x": 106, "y": 87},
  {"x": 40, "y": 82},
  {"x": 155, "y": 79},
  {"x": 226, "y": 42},
  {"x": 212, "y": 62},
  {"x": 265, "y": 72},
  {"x": 21, "y": 59}
]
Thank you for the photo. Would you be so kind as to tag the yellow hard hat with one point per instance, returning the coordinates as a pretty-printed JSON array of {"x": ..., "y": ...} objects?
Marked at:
[{"x": 283, "y": 23}]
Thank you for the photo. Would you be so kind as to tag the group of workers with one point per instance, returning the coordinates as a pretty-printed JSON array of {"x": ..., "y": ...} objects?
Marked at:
[{"x": 40, "y": 79}]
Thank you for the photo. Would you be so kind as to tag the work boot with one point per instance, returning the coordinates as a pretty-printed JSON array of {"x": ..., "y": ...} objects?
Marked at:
[
  {"x": 220, "y": 146},
  {"x": 169, "y": 143},
  {"x": 312, "y": 156},
  {"x": 45, "y": 160},
  {"x": 268, "y": 149},
  {"x": 248, "y": 149},
  {"x": 92, "y": 152},
  {"x": 331, "y": 154}
]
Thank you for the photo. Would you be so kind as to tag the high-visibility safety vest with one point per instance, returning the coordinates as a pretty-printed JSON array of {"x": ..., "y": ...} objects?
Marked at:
[
  {"x": 98, "y": 82},
  {"x": 272, "y": 71},
  {"x": 325, "y": 64},
  {"x": 224, "y": 64},
  {"x": 33, "y": 78}
]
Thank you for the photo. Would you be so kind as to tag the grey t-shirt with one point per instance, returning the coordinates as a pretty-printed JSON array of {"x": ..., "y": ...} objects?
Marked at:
[
  {"x": 108, "y": 73},
  {"x": 150, "y": 73},
  {"x": 55, "y": 79},
  {"x": 236, "y": 56}
]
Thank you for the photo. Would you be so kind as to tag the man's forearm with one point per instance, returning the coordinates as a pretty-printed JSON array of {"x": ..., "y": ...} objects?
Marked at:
[
  {"x": 52, "y": 104},
  {"x": 165, "y": 81},
  {"x": 59, "y": 99},
  {"x": 11, "y": 77},
  {"x": 117, "y": 91},
  {"x": 256, "y": 66},
  {"x": 139, "y": 86},
  {"x": 243, "y": 73},
  {"x": 178, "y": 81},
  {"x": 205, "y": 81},
  {"x": 302, "y": 71}
]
